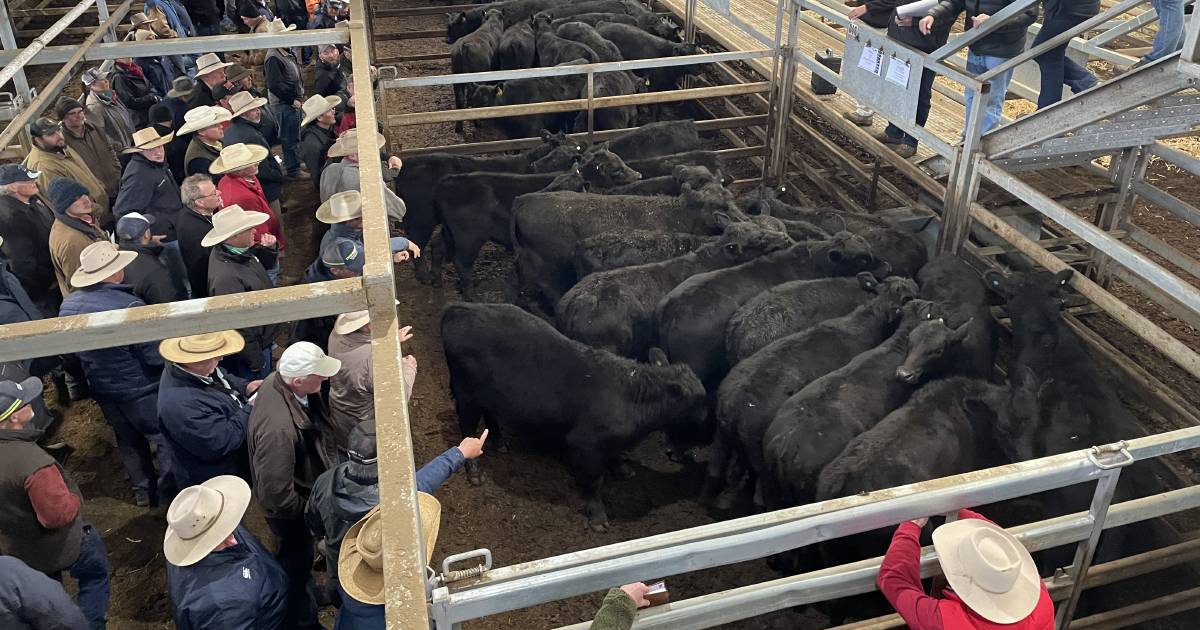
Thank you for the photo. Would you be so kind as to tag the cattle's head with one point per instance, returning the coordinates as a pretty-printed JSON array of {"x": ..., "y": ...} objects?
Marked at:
[
  {"x": 695, "y": 176},
  {"x": 709, "y": 198},
  {"x": 572, "y": 180},
  {"x": 758, "y": 200},
  {"x": 604, "y": 169},
  {"x": 561, "y": 139},
  {"x": 1034, "y": 299},
  {"x": 930, "y": 344},
  {"x": 1018, "y": 429},
  {"x": 459, "y": 25},
  {"x": 485, "y": 95},
  {"x": 541, "y": 21},
  {"x": 683, "y": 49},
  {"x": 684, "y": 408},
  {"x": 894, "y": 291},
  {"x": 494, "y": 15},
  {"x": 847, "y": 254},
  {"x": 659, "y": 26},
  {"x": 742, "y": 241},
  {"x": 557, "y": 154}
]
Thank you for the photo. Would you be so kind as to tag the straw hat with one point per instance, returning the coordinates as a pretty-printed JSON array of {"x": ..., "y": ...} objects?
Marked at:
[
  {"x": 341, "y": 207},
  {"x": 230, "y": 221},
  {"x": 242, "y": 102},
  {"x": 317, "y": 105},
  {"x": 237, "y": 156},
  {"x": 347, "y": 143},
  {"x": 202, "y": 347},
  {"x": 989, "y": 569},
  {"x": 360, "y": 565},
  {"x": 209, "y": 62},
  {"x": 202, "y": 517},
  {"x": 148, "y": 138},
  {"x": 277, "y": 26},
  {"x": 99, "y": 261},
  {"x": 143, "y": 35},
  {"x": 203, "y": 117}
]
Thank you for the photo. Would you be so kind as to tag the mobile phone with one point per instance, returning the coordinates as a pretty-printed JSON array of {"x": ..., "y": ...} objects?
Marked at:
[{"x": 657, "y": 595}]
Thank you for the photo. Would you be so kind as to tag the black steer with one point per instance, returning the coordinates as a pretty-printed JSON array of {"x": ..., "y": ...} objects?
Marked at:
[
  {"x": 521, "y": 91},
  {"x": 613, "y": 250},
  {"x": 657, "y": 139},
  {"x": 518, "y": 47},
  {"x": 476, "y": 53},
  {"x": 553, "y": 50},
  {"x": 636, "y": 43},
  {"x": 967, "y": 338}
]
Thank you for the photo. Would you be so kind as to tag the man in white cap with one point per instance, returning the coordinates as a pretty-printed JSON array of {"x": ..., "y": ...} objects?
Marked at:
[
  {"x": 207, "y": 126},
  {"x": 210, "y": 72},
  {"x": 291, "y": 443},
  {"x": 993, "y": 582},
  {"x": 219, "y": 575}
]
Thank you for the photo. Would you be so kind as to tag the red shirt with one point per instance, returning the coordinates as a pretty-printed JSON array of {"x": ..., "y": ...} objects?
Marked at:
[
  {"x": 53, "y": 502},
  {"x": 249, "y": 195},
  {"x": 900, "y": 581}
]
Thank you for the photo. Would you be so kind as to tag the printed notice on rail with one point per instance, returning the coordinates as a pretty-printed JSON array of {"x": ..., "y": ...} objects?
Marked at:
[
  {"x": 897, "y": 72},
  {"x": 871, "y": 60}
]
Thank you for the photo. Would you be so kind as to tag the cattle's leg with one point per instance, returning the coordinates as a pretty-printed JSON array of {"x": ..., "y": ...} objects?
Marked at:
[
  {"x": 718, "y": 462},
  {"x": 464, "y": 254},
  {"x": 460, "y": 92},
  {"x": 588, "y": 463},
  {"x": 429, "y": 264}
]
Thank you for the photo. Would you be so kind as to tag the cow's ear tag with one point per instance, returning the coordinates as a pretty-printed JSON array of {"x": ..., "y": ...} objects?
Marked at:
[
  {"x": 499, "y": 91},
  {"x": 647, "y": 82}
]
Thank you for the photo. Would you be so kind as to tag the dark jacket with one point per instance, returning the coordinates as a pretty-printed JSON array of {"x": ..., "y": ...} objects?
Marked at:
[
  {"x": 204, "y": 421},
  {"x": 264, "y": 134},
  {"x": 29, "y": 600},
  {"x": 157, "y": 72},
  {"x": 150, "y": 188},
  {"x": 26, "y": 230},
  {"x": 912, "y": 35},
  {"x": 879, "y": 12},
  {"x": 190, "y": 230},
  {"x": 290, "y": 446},
  {"x": 230, "y": 273},
  {"x": 176, "y": 149},
  {"x": 136, "y": 92},
  {"x": 205, "y": 12},
  {"x": 123, "y": 372},
  {"x": 149, "y": 276},
  {"x": 330, "y": 80},
  {"x": 199, "y": 156},
  {"x": 355, "y": 615},
  {"x": 95, "y": 151},
  {"x": 1008, "y": 41},
  {"x": 284, "y": 84},
  {"x": 201, "y": 96},
  {"x": 314, "y": 150},
  {"x": 21, "y": 535},
  {"x": 1077, "y": 8},
  {"x": 239, "y": 588}
]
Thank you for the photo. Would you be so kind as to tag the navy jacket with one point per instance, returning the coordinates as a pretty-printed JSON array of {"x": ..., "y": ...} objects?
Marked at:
[
  {"x": 355, "y": 615},
  {"x": 1008, "y": 41},
  {"x": 239, "y": 588},
  {"x": 123, "y": 372},
  {"x": 26, "y": 230},
  {"x": 204, "y": 422},
  {"x": 31, "y": 601},
  {"x": 149, "y": 276},
  {"x": 150, "y": 188}
]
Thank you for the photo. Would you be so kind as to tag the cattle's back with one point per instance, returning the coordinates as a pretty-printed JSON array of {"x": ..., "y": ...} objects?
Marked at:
[{"x": 787, "y": 308}]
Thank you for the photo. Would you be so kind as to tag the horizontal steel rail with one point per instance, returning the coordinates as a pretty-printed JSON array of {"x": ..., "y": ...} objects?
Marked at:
[
  {"x": 41, "y": 41},
  {"x": 54, "y": 55}
]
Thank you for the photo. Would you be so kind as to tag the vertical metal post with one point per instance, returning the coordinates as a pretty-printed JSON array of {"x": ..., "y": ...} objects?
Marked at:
[
  {"x": 1121, "y": 171},
  {"x": 785, "y": 83},
  {"x": 689, "y": 32},
  {"x": 110, "y": 35},
  {"x": 591, "y": 111},
  {"x": 9, "y": 39},
  {"x": 963, "y": 183},
  {"x": 1191, "y": 40}
]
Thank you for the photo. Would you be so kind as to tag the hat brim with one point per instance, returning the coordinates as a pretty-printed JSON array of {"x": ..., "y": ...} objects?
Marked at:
[
  {"x": 236, "y": 494},
  {"x": 327, "y": 367},
  {"x": 340, "y": 149},
  {"x": 213, "y": 68},
  {"x": 220, "y": 166},
  {"x": 153, "y": 144},
  {"x": 349, "y": 322},
  {"x": 173, "y": 93},
  {"x": 83, "y": 278},
  {"x": 251, "y": 220},
  {"x": 255, "y": 103},
  {"x": 31, "y": 390},
  {"x": 331, "y": 103},
  {"x": 187, "y": 127},
  {"x": 170, "y": 349},
  {"x": 1003, "y": 608},
  {"x": 362, "y": 582},
  {"x": 325, "y": 213}
]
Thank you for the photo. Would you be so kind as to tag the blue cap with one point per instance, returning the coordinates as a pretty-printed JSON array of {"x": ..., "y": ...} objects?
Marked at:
[
  {"x": 13, "y": 173},
  {"x": 132, "y": 226},
  {"x": 345, "y": 253}
]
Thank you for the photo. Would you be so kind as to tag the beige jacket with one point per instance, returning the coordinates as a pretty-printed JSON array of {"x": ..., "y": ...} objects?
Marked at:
[
  {"x": 70, "y": 164},
  {"x": 351, "y": 393},
  {"x": 66, "y": 243}
]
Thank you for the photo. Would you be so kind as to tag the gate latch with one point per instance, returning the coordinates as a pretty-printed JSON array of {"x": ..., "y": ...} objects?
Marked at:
[
  {"x": 449, "y": 576},
  {"x": 1109, "y": 456}
]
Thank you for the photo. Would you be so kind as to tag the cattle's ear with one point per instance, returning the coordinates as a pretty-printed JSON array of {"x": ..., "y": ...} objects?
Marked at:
[
  {"x": 997, "y": 281},
  {"x": 867, "y": 281},
  {"x": 1063, "y": 277},
  {"x": 658, "y": 357},
  {"x": 722, "y": 220},
  {"x": 960, "y": 334}
]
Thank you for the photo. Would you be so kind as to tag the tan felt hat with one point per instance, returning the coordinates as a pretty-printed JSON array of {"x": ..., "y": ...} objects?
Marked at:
[
  {"x": 242, "y": 102},
  {"x": 202, "y": 347},
  {"x": 317, "y": 105},
  {"x": 989, "y": 569},
  {"x": 341, "y": 207},
  {"x": 139, "y": 19},
  {"x": 360, "y": 565},
  {"x": 237, "y": 156},
  {"x": 99, "y": 261},
  {"x": 148, "y": 138},
  {"x": 202, "y": 517},
  {"x": 277, "y": 26},
  {"x": 230, "y": 221},
  {"x": 201, "y": 117},
  {"x": 209, "y": 62}
]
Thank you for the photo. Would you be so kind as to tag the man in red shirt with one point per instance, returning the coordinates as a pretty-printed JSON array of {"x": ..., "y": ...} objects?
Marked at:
[
  {"x": 993, "y": 582},
  {"x": 239, "y": 185}
]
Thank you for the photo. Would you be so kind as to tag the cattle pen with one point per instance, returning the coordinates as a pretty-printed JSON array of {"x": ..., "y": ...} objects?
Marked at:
[{"x": 1060, "y": 188}]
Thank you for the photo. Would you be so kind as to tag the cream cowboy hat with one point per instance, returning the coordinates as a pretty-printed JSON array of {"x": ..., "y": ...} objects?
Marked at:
[
  {"x": 989, "y": 569},
  {"x": 209, "y": 62},
  {"x": 242, "y": 102},
  {"x": 347, "y": 143},
  {"x": 317, "y": 105},
  {"x": 341, "y": 207},
  {"x": 202, "y": 117},
  {"x": 143, "y": 35},
  {"x": 277, "y": 26},
  {"x": 360, "y": 564},
  {"x": 237, "y": 156},
  {"x": 349, "y": 322},
  {"x": 148, "y": 138},
  {"x": 202, "y": 517},
  {"x": 99, "y": 261},
  {"x": 202, "y": 347},
  {"x": 231, "y": 221}
]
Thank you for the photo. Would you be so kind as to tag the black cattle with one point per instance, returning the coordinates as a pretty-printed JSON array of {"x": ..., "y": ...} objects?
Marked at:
[
  {"x": 536, "y": 90},
  {"x": 692, "y": 318},
  {"x": 754, "y": 390},
  {"x": 812, "y": 426},
  {"x": 585, "y": 34},
  {"x": 614, "y": 310},
  {"x": 461, "y": 24},
  {"x": 613, "y": 250},
  {"x": 605, "y": 83},
  {"x": 515, "y": 370},
  {"x": 795, "y": 306},
  {"x": 635, "y": 43},
  {"x": 967, "y": 338},
  {"x": 476, "y": 52},
  {"x": 477, "y": 208},
  {"x": 665, "y": 164},
  {"x": 567, "y": 9},
  {"x": 647, "y": 21},
  {"x": 553, "y": 50},
  {"x": 657, "y": 139},
  {"x": 518, "y": 47},
  {"x": 694, "y": 176}
]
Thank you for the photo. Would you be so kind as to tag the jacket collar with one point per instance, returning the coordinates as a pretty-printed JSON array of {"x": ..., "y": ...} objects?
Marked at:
[
  {"x": 87, "y": 129},
  {"x": 298, "y": 413},
  {"x": 29, "y": 434},
  {"x": 91, "y": 230},
  {"x": 149, "y": 250},
  {"x": 233, "y": 257}
]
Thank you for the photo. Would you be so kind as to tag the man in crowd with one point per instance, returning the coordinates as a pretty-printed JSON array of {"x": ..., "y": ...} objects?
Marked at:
[
  {"x": 285, "y": 92},
  {"x": 73, "y": 230},
  {"x": 25, "y": 223},
  {"x": 41, "y": 524},
  {"x": 344, "y": 175},
  {"x": 330, "y": 79},
  {"x": 149, "y": 188},
  {"x": 105, "y": 109},
  {"x": 252, "y": 126},
  {"x": 123, "y": 379},
  {"x": 234, "y": 266},
  {"x": 237, "y": 168},
  {"x": 320, "y": 115},
  {"x": 147, "y": 275},
  {"x": 134, "y": 90},
  {"x": 89, "y": 143},
  {"x": 210, "y": 72},
  {"x": 291, "y": 444},
  {"x": 202, "y": 199},
  {"x": 30, "y": 599},
  {"x": 208, "y": 125},
  {"x": 51, "y": 157},
  {"x": 206, "y": 15},
  {"x": 340, "y": 258},
  {"x": 1169, "y": 37},
  {"x": 163, "y": 123},
  {"x": 352, "y": 389},
  {"x": 219, "y": 575},
  {"x": 907, "y": 31}
]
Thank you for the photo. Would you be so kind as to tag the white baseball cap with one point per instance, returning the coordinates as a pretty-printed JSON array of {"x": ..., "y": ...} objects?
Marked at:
[{"x": 304, "y": 359}]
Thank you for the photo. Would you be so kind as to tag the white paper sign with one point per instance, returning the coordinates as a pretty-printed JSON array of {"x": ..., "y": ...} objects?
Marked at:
[
  {"x": 920, "y": 8},
  {"x": 897, "y": 72},
  {"x": 871, "y": 60}
]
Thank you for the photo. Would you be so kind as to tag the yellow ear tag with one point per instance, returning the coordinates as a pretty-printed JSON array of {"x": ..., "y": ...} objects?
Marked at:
[
  {"x": 647, "y": 81},
  {"x": 499, "y": 91}
]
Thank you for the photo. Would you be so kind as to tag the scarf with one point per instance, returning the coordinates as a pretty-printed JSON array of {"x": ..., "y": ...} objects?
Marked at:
[{"x": 132, "y": 68}]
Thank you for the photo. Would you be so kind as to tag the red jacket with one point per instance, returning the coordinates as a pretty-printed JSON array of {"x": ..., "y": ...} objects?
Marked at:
[
  {"x": 900, "y": 581},
  {"x": 249, "y": 195}
]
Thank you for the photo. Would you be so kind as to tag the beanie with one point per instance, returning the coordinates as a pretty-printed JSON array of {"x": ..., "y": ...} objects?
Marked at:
[
  {"x": 65, "y": 105},
  {"x": 63, "y": 192},
  {"x": 160, "y": 114}
]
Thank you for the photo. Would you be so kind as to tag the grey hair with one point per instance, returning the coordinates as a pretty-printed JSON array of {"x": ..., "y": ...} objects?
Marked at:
[
  {"x": 4, "y": 190},
  {"x": 189, "y": 190}
]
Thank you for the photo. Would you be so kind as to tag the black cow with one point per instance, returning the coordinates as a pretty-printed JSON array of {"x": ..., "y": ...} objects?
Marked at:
[
  {"x": 553, "y": 50},
  {"x": 518, "y": 47},
  {"x": 514, "y": 369},
  {"x": 967, "y": 338},
  {"x": 692, "y": 318},
  {"x": 461, "y": 24},
  {"x": 647, "y": 21},
  {"x": 795, "y": 306},
  {"x": 614, "y": 310},
  {"x": 567, "y": 9},
  {"x": 672, "y": 185},
  {"x": 636, "y": 43},
  {"x": 476, "y": 53},
  {"x": 613, "y": 250},
  {"x": 536, "y": 90},
  {"x": 665, "y": 164},
  {"x": 585, "y": 34},
  {"x": 655, "y": 140}
]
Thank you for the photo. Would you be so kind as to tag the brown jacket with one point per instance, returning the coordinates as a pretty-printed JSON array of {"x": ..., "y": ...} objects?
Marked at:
[
  {"x": 93, "y": 147},
  {"x": 70, "y": 164},
  {"x": 66, "y": 243},
  {"x": 112, "y": 119},
  {"x": 290, "y": 446}
]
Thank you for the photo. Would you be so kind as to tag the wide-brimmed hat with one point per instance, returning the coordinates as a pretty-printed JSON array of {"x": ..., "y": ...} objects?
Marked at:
[
  {"x": 347, "y": 143},
  {"x": 989, "y": 569},
  {"x": 148, "y": 138},
  {"x": 237, "y": 72},
  {"x": 277, "y": 26},
  {"x": 360, "y": 564},
  {"x": 230, "y": 221},
  {"x": 242, "y": 102},
  {"x": 202, "y": 517},
  {"x": 209, "y": 62},
  {"x": 202, "y": 347},
  {"x": 317, "y": 105},
  {"x": 201, "y": 117},
  {"x": 143, "y": 35},
  {"x": 99, "y": 261},
  {"x": 139, "y": 19},
  {"x": 341, "y": 207},
  {"x": 349, "y": 322},
  {"x": 237, "y": 156},
  {"x": 181, "y": 87}
]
